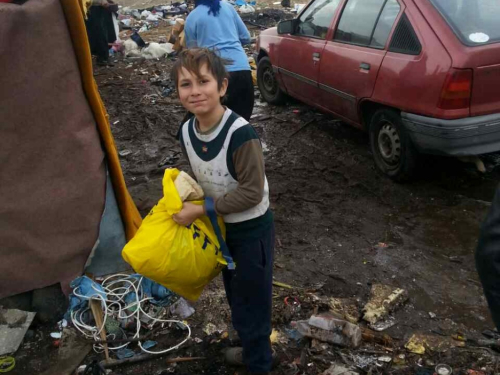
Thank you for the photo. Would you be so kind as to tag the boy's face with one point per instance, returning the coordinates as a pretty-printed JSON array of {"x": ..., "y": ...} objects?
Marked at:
[{"x": 200, "y": 95}]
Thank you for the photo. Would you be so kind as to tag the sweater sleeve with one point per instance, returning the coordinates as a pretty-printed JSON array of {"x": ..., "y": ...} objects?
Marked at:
[{"x": 249, "y": 169}]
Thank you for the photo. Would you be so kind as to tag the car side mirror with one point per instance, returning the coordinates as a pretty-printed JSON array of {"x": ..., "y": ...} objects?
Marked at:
[{"x": 287, "y": 27}]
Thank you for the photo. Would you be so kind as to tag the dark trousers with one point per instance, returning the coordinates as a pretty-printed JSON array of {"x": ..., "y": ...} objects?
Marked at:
[
  {"x": 240, "y": 93},
  {"x": 100, "y": 31},
  {"x": 249, "y": 293},
  {"x": 488, "y": 258}
]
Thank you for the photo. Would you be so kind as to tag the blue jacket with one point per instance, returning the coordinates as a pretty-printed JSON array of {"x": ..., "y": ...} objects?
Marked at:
[{"x": 224, "y": 33}]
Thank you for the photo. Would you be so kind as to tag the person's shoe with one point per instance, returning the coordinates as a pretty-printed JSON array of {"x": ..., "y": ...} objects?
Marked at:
[{"x": 234, "y": 356}]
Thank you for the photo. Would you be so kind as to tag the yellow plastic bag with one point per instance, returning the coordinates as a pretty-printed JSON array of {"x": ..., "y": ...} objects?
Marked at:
[{"x": 183, "y": 259}]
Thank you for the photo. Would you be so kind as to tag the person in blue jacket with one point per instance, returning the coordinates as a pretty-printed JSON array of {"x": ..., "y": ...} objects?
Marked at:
[{"x": 215, "y": 25}]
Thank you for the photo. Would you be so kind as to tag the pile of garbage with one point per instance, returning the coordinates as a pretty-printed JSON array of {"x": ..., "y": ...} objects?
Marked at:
[
  {"x": 145, "y": 19},
  {"x": 125, "y": 309},
  {"x": 348, "y": 338}
]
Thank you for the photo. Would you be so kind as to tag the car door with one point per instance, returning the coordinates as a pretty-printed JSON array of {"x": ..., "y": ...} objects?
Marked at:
[
  {"x": 300, "y": 53},
  {"x": 351, "y": 60}
]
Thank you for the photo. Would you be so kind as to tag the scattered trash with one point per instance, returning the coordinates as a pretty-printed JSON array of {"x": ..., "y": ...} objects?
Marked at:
[
  {"x": 337, "y": 369},
  {"x": 346, "y": 308},
  {"x": 383, "y": 324},
  {"x": 210, "y": 329},
  {"x": 182, "y": 309},
  {"x": 376, "y": 337},
  {"x": 298, "y": 7},
  {"x": 13, "y": 327},
  {"x": 474, "y": 372},
  {"x": 124, "y": 152},
  {"x": 7, "y": 364},
  {"x": 282, "y": 285},
  {"x": 138, "y": 40},
  {"x": 124, "y": 353},
  {"x": 432, "y": 315},
  {"x": 278, "y": 338},
  {"x": 149, "y": 344},
  {"x": 418, "y": 343},
  {"x": 157, "y": 50},
  {"x": 384, "y": 359},
  {"x": 121, "y": 297},
  {"x": 364, "y": 362},
  {"x": 383, "y": 300},
  {"x": 56, "y": 335},
  {"x": 198, "y": 340},
  {"x": 329, "y": 329},
  {"x": 400, "y": 360},
  {"x": 246, "y": 9},
  {"x": 293, "y": 333},
  {"x": 443, "y": 369}
]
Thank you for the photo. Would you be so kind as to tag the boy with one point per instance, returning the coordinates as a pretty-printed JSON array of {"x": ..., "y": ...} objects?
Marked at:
[{"x": 225, "y": 155}]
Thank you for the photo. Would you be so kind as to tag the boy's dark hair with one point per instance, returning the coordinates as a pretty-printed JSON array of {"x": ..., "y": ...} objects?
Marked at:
[{"x": 193, "y": 59}]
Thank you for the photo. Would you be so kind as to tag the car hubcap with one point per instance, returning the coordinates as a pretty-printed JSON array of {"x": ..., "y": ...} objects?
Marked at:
[
  {"x": 389, "y": 144},
  {"x": 269, "y": 81}
]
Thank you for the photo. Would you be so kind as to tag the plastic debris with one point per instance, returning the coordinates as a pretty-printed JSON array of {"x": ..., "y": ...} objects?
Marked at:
[
  {"x": 13, "y": 327},
  {"x": 182, "y": 309},
  {"x": 383, "y": 300},
  {"x": 149, "y": 344},
  {"x": 293, "y": 333},
  {"x": 7, "y": 364},
  {"x": 124, "y": 152},
  {"x": 245, "y": 9},
  {"x": 443, "y": 369},
  {"x": 337, "y": 369},
  {"x": 419, "y": 343},
  {"x": 363, "y": 362},
  {"x": 384, "y": 359},
  {"x": 329, "y": 329},
  {"x": 346, "y": 308},
  {"x": 278, "y": 337},
  {"x": 124, "y": 353},
  {"x": 56, "y": 335},
  {"x": 383, "y": 324},
  {"x": 210, "y": 329}
]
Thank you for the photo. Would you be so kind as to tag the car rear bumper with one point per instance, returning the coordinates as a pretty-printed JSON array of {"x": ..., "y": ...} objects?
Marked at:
[{"x": 466, "y": 136}]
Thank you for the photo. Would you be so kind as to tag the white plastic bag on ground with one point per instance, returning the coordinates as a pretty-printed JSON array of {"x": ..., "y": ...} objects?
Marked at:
[
  {"x": 157, "y": 50},
  {"x": 145, "y": 14},
  {"x": 247, "y": 9},
  {"x": 152, "y": 17},
  {"x": 131, "y": 47}
]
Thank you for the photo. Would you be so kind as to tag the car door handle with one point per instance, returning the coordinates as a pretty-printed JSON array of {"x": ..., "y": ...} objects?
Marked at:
[{"x": 365, "y": 66}]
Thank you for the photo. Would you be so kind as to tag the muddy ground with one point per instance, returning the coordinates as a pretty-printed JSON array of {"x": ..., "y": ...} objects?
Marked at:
[{"x": 332, "y": 209}]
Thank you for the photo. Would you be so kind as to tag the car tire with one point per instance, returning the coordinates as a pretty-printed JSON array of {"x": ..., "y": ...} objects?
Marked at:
[
  {"x": 392, "y": 148},
  {"x": 268, "y": 84}
]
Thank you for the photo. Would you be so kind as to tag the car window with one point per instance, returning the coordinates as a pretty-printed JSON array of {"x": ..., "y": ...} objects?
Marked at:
[
  {"x": 317, "y": 18},
  {"x": 359, "y": 23},
  {"x": 385, "y": 23},
  {"x": 474, "y": 22}
]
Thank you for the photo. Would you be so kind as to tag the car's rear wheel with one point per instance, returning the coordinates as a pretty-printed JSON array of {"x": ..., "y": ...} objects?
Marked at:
[
  {"x": 393, "y": 151},
  {"x": 268, "y": 84}
]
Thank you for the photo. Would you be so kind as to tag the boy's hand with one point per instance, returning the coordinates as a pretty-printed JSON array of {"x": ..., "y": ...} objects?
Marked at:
[{"x": 189, "y": 213}]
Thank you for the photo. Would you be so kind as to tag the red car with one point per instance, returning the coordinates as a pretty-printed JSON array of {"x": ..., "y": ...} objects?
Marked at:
[{"x": 421, "y": 76}]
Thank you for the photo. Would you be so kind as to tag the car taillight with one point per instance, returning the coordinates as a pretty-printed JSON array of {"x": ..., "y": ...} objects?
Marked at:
[{"x": 457, "y": 89}]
